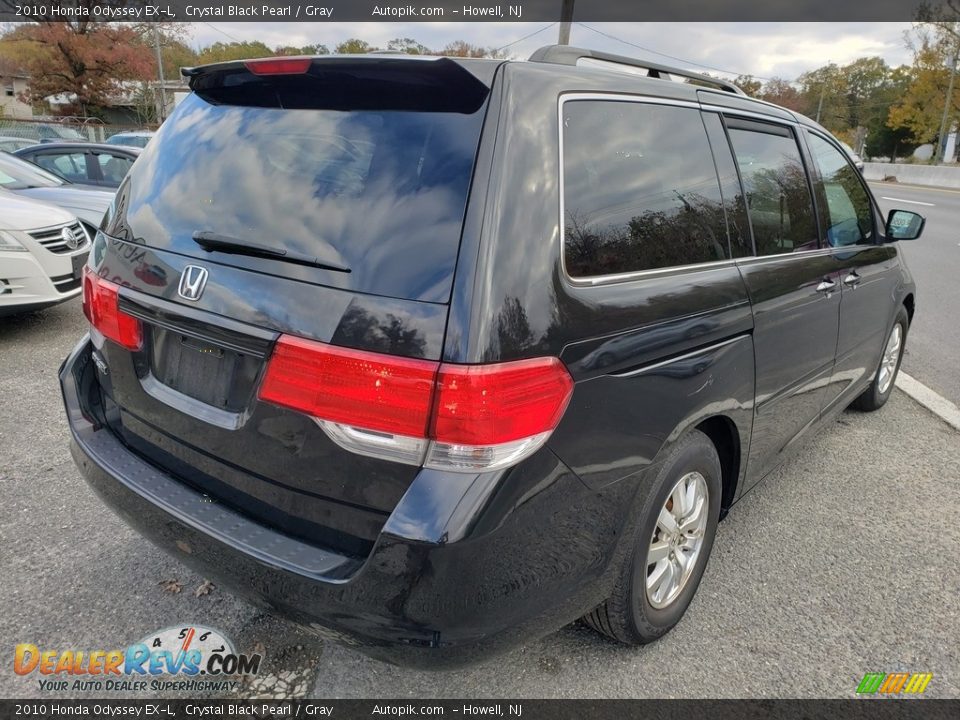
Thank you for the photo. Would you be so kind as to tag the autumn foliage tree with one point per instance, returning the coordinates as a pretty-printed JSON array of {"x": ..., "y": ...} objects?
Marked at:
[
  {"x": 920, "y": 106},
  {"x": 87, "y": 61}
]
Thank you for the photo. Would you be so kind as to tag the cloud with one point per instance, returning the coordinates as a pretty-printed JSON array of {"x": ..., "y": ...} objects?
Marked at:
[{"x": 761, "y": 49}]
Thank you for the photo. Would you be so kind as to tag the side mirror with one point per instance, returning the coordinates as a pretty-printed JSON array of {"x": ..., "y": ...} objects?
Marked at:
[{"x": 904, "y": 225}]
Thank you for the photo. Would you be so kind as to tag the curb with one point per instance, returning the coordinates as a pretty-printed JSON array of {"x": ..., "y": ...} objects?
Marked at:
[{"x": 931, "y": 400}]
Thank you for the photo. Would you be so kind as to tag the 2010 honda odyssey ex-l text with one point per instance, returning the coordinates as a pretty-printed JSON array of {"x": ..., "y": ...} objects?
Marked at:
[{"x": 437, "y": 355}]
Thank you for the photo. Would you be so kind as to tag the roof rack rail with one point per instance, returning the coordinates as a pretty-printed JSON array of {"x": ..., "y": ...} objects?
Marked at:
[{"x": 567, "y": 55}]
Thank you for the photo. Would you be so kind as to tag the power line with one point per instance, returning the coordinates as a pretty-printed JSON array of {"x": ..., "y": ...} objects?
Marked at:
[
  {"x": 672, "y": 57},
  {"x": 223, "y": 32},
  {"x": 525, "y": 37}
]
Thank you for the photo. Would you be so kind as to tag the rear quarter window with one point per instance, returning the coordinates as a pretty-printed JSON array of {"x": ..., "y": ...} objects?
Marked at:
[{"x": 640, "y": 190}]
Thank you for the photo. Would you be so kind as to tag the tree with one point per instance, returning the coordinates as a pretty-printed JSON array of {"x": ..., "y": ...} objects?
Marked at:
[
  {"x": 461, "y": 48},
  {"x": 223, "y": 52},
  {"x": 783, "y": 93},
  {"x": 823, "y": 93},
  {"x": 408, "y": 46},
  {"x": 176, "y": 54},
  {"x": 305, "y": 50},
  {"x": 920, "y": 110},
  {"x": 749, "y": 84},
  {"x": 864, "y": 79},
  {"x": 87, "y": 61},
  {"x": 354, "y": 46}
]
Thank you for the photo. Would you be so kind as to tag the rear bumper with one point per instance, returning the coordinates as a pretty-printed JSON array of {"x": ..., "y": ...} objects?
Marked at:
[{"x": 466, "y": 567}]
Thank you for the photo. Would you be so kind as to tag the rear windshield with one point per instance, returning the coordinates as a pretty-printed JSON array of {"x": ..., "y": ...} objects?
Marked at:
[{"x": 381, "y": 192}]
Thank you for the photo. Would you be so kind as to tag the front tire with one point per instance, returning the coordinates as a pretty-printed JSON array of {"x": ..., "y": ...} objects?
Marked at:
[
  {"x": 678, "y": 525},
  {"x": 876, "y": 396}
]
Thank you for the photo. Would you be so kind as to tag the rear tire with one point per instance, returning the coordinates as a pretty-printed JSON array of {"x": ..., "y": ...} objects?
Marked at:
[
  {"x": 677, "y": 528},
  {"x": 876, "y": 396}
]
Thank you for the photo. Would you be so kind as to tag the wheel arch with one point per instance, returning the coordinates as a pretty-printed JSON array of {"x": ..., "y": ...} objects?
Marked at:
[
  {"x": 725, "y": 436},
  {"x": 908, "y": 303}
]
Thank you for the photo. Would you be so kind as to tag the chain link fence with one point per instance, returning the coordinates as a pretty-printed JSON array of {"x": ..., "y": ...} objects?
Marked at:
[{"x": 61, "y": 129}]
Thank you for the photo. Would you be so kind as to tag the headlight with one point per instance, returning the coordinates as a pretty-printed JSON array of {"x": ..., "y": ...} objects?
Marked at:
[{"x": 9, "y": 242}]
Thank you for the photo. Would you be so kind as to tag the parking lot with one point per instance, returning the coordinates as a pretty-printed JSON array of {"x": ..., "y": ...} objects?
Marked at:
[{"x": 841, "y": 563}]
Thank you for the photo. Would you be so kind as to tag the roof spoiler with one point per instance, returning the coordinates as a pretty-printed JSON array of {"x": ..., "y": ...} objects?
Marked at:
[{"x": 345, "y": 82}]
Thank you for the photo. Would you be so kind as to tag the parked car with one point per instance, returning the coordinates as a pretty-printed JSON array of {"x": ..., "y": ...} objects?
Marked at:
[
  {"x": 86, "y": 163},
  {"x": 12, "y": 144},
  {"x": 854, "y": 157},
  {"x": 343, "y": 344},
  {"x": 42, "y": 253},
  {"x": 43, "y": 132},
  {"x": 24, "y": 178},
  {"x": 131, "y": 139}
]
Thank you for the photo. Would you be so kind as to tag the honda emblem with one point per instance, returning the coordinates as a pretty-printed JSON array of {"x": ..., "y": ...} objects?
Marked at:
[{"x": 192, "y": 282}]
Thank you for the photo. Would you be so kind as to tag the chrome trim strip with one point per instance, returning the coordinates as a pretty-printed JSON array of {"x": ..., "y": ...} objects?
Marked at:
[
  {"x": 760, "y": 259},
  {"x": 775, "y": 119},
  {"x": 687, "y": 356}
]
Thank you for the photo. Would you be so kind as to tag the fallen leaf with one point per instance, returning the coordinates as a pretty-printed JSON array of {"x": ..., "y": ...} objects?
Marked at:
[
  {"x": 204, "y": 589},
  {"x": 171, "y": 586}
]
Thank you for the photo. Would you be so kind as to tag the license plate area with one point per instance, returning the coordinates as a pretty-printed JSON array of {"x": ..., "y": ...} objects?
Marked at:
[
  {"x": 200, "y": 369},
  {"x": 78, "y": 262}
]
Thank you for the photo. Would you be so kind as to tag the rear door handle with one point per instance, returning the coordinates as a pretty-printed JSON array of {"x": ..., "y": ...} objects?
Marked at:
[
  {"x": 827, "y": 286},
  {"x": 852, "y": 280}
]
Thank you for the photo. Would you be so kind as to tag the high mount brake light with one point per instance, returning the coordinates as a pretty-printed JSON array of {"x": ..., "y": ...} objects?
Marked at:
[
  {"x": 278, "y": 66},
  {"x": 467, "y": 418},
  {"x": 101, "y": 305}
]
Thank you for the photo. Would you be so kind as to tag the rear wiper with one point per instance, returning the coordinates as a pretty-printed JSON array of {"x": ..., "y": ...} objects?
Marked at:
[{"x": 211, "y": 241}]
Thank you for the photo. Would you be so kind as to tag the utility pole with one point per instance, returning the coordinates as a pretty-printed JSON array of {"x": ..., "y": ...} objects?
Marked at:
[
  {"x": 823, "y": 87},
  {"x": 942, "y": 138},
  {"x": 163, "y": 89},
  {"x": 566, "y": 17}
]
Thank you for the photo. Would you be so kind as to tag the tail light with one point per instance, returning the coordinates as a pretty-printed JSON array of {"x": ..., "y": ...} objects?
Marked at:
[
  {"x": 466, "y": 418},
  {"x": 101, "y": 305}
]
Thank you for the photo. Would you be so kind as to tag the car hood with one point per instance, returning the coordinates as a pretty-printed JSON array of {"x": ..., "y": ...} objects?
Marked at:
[
  {"x": 20, "y": 213},
  {"x": 88, "y": 205}
]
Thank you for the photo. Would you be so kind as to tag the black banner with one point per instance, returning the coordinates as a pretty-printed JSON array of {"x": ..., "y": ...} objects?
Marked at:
[
  {"x": 480, "y": 11},
  {"x": 867, "y": 709}
]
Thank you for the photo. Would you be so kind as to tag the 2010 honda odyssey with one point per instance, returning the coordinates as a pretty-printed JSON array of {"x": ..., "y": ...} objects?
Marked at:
[{"x": 437, "y": 355}]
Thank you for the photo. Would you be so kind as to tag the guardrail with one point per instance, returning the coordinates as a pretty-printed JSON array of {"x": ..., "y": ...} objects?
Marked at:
[{"x": 947, "y": 176}]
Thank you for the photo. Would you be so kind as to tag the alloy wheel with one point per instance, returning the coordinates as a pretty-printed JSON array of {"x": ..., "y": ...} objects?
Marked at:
[{"x": 677, "y": 540}]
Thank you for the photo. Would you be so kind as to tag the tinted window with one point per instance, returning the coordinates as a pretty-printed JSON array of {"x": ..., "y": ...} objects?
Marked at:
[
  {"x": 778, "y": 195},
  {"x": 640, "y": 189},
  {"x": 113, "y": 168},
  {"x": 734, "y": 203},
  {"x": 72, "y": 166},
  {"x": 848, "y": 213},
  {"x": 381, "y": 192}
]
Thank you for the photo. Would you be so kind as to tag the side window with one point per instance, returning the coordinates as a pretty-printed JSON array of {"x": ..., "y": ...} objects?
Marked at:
[
  {"x": 734, "y": 202},
  {"x": 849, "y": 215},
  {"x": 774, "y": 179},
  {"x": 113, "y": 168},
  {"x": 72, "y": 166},
  {"x": 640, "y": 189}
]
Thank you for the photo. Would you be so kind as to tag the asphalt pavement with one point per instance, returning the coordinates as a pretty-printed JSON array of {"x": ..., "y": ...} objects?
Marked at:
[
  {"x": 933, "y": 348},
  {"x": 843, "y": 562}
]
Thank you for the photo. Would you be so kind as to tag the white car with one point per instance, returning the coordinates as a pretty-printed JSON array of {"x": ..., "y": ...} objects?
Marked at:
[{"x": 42, "y": 253}]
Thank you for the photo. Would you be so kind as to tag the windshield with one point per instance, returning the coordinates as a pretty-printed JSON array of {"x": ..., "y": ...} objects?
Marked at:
[
  {"x": 17, "y": 174},
  {"x": 381, "y": 192}
]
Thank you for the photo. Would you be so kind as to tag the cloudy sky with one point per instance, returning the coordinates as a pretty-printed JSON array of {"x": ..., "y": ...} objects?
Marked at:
[{"x": 761, "y": 49}]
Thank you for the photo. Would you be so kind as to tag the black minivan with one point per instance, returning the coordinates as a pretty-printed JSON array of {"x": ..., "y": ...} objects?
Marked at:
[{"x": 437, "y": 355}]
